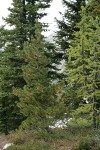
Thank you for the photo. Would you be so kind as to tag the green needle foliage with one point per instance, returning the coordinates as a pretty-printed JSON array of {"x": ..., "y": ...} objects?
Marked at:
[
  {"x": 22, "y": 18},
  {"x": 66, "y": 28},
  {"x": 84, "y": 65},
  {"x": 67, "y": 25},
  {"x": 37, "y": 98}
]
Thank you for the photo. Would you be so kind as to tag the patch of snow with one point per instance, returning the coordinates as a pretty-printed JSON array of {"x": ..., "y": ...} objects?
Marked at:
[
  {"x": 59, "y": 124},
  {"x": 7, "y": 145},
  {"x": 86, "y": 99}
]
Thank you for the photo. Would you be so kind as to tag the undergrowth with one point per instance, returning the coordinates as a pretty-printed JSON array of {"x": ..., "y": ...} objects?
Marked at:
[{"x": 84, "y": 139}]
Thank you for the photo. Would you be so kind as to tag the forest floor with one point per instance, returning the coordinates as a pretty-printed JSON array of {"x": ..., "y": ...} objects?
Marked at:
[
  {"x": 63, "y": 144},
  {"x": 66, "y": 139},
  {"x": 59, "y": 145},
  {"x": 3, "y": 141}
]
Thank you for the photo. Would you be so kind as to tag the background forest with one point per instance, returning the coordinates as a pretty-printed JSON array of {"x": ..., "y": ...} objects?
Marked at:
[{"x": 35, "y": 93}]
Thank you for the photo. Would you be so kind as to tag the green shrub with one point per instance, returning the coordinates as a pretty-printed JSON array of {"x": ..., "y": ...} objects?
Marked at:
[
  {"x": 37, "y": 146},
  {"x": 84, "y": 144},
  {"x": 88, "y": 143}
]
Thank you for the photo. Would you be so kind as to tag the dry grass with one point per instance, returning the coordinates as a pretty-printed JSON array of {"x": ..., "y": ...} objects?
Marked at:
[
  {"x": 65, "y": 144},
  {"x": 59, "y": 140}
]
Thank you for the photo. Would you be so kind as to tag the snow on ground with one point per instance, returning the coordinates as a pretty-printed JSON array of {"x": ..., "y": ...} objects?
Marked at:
[
  {"x": 7, "y": 145},
  {"x": 60, "y": 123}
]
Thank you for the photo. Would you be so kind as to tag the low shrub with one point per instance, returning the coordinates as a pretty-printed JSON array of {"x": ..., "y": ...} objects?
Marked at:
[
  {"x": 88, "y": 143},
  {"x": 30, "y": 146}
]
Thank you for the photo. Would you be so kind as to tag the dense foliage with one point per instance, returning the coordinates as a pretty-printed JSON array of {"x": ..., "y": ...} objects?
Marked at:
[
  {"x": 67, "y": 25},
  {"x": 33, "y": 93},
  {"x": 22, "y": 18},
  {"x": 37, "y": 98},
  {"x": 83, "y": 66}
]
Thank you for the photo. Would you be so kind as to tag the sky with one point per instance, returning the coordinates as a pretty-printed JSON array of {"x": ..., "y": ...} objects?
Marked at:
[{"x": 53, "y": 12}]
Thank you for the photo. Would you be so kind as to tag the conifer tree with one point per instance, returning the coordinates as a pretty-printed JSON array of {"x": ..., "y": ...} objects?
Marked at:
[
  {"x": 94, "y": 10},
  {"x": 67, "y": 25},
  {"x": 37, "y": 98},
  {"x": 66, "y": 28},
  {"x": 22, "y": 18},
  {"x": 83, "y": 64}
]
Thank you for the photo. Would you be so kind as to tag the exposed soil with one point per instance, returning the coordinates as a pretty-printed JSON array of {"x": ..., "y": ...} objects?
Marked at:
[{"x": 3, "y": 141}]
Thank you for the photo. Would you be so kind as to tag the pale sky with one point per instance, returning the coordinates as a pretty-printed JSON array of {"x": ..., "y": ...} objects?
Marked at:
[{"x": 53, "y": 12}]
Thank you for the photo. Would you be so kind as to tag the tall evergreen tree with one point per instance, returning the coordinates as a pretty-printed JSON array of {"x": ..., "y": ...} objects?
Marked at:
[
  {"x": 37, "y": 98},
  {"x": 83, "y": 65},
  {"x": 94, "y": 10},
  {"x": 66, "y": 28},
  {"x": 67, "y": 25},
  {"x": 22, "y": 18}
]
